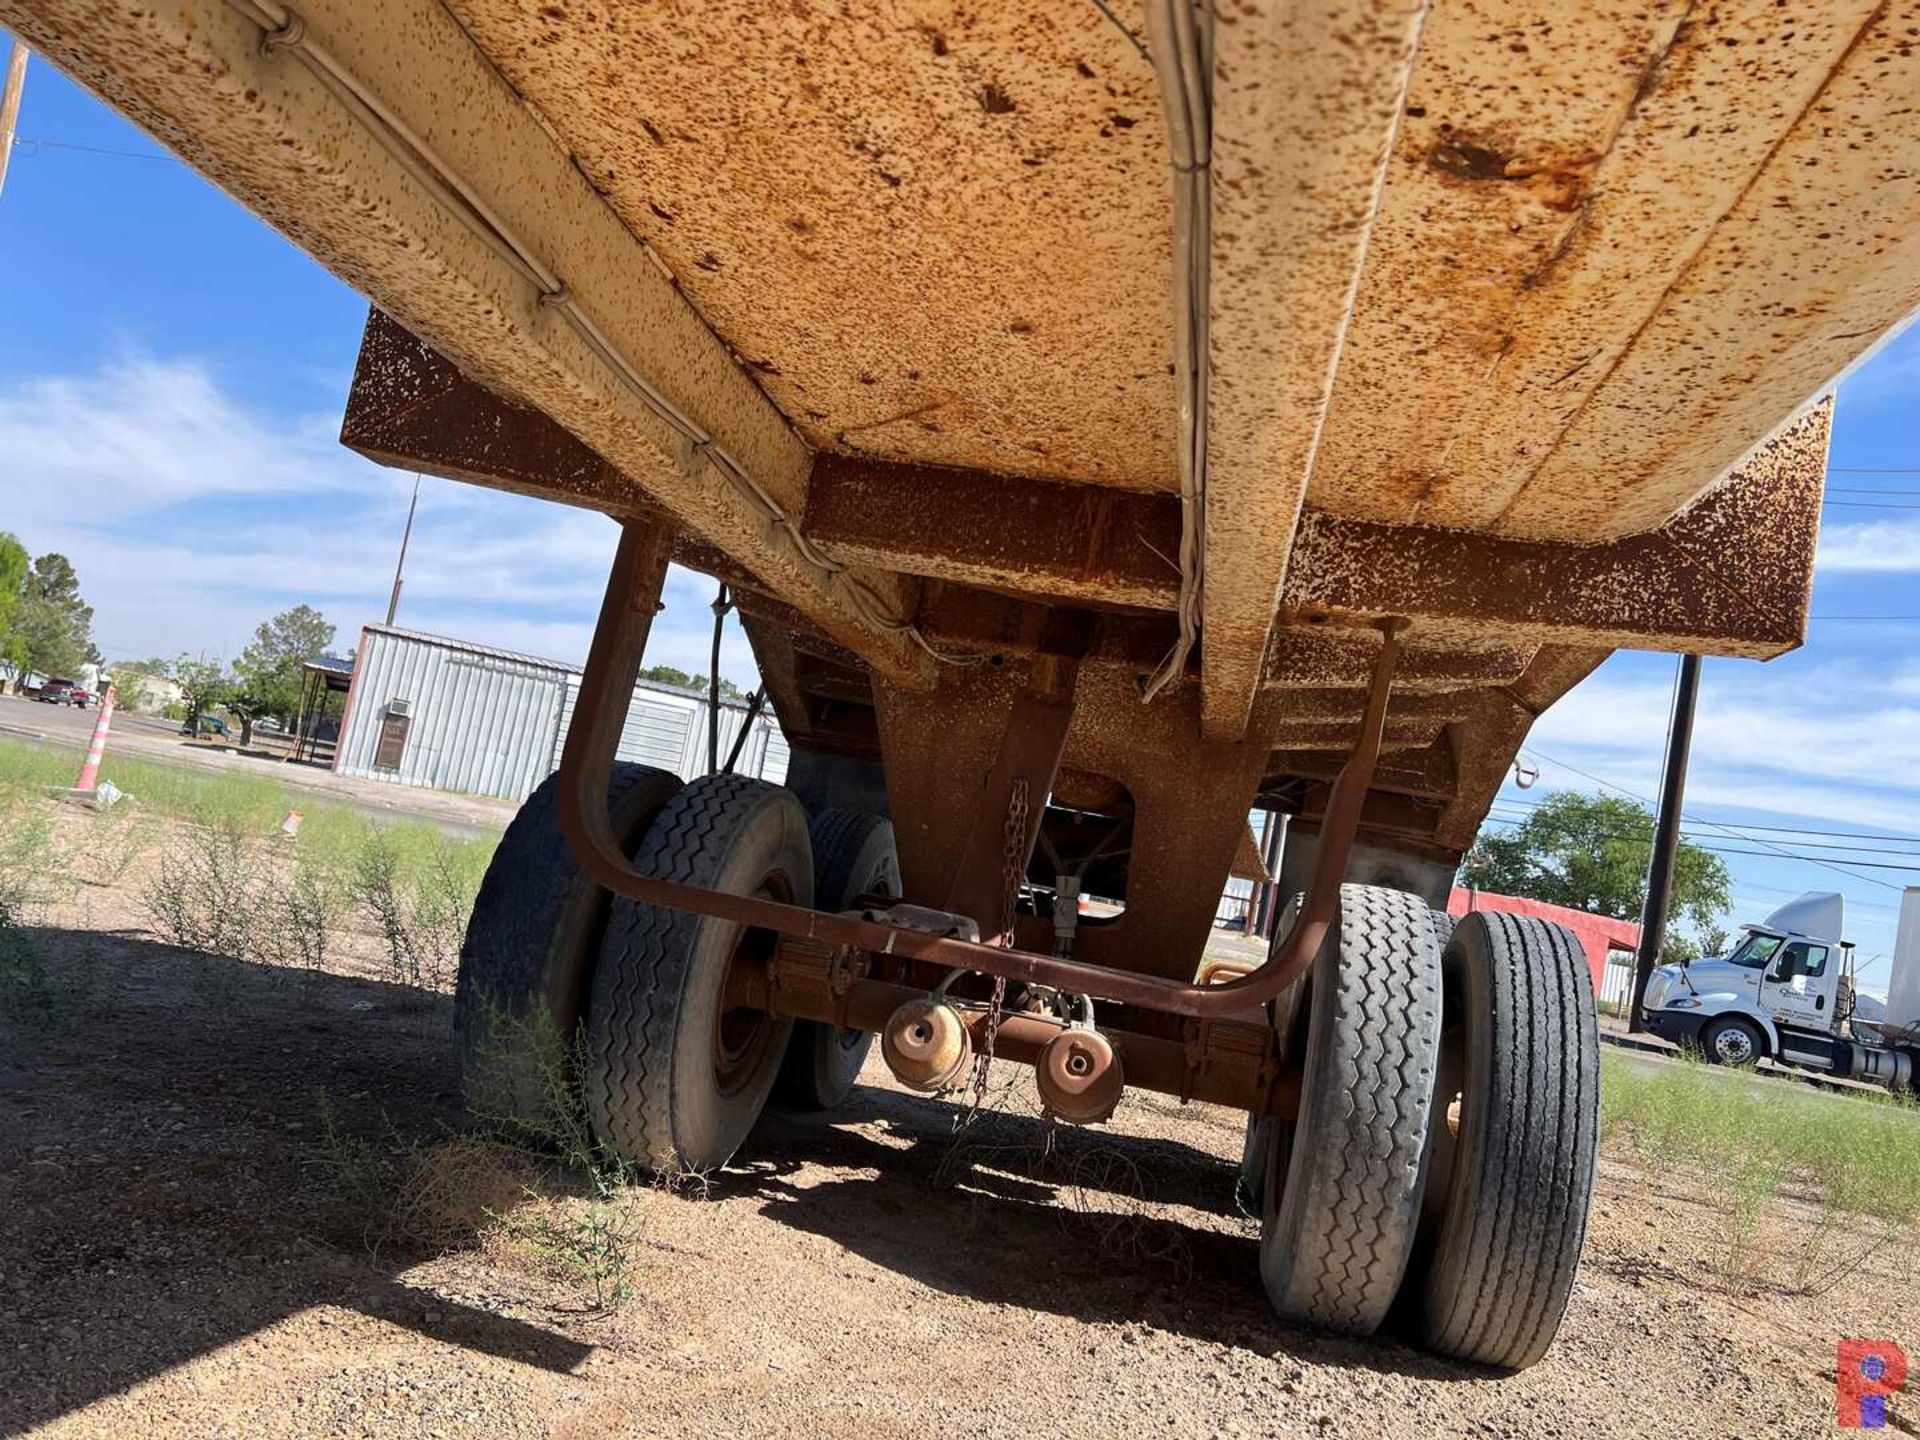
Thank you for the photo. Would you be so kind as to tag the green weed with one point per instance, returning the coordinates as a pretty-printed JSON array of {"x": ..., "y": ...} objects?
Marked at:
[
  {"x": 419, "y": 907},
  {"x": 1749, "y": 1144}
]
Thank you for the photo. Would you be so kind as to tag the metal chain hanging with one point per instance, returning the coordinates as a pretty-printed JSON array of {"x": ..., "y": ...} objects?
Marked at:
[{"x": 1012, "y": 873}]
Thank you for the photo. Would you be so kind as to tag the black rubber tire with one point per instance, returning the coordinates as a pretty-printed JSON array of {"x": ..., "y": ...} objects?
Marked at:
[
  {"x": 1342, "y": 1193},
  {"x": 1731, "y": 1024},
  {"x": 1519, "y": 1177},
  {"x": 853, "y": 855},
  {"x": 652, "y": 1084},
  {"x": 1443, "y": 926},
  {"x": 1256, "y": 1148},
  {"x": 526, "y": 961}
]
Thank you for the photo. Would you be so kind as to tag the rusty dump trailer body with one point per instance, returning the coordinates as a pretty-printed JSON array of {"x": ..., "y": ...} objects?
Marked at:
[{"x": 1107, "y": 422}]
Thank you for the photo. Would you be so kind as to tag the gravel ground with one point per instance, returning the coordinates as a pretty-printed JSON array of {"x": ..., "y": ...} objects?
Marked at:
[{"x": 198, "y": 1172}]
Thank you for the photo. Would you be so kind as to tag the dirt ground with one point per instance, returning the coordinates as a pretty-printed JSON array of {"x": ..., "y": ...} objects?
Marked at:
[{"x": 191, "y": 1245}]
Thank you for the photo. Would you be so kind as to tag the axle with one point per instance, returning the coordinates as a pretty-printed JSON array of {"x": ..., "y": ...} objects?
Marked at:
[{"x": 1224, "y": 1062}]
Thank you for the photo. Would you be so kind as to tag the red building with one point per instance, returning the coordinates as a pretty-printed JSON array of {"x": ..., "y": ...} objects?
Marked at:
[{"x": 1597, "y": 934}]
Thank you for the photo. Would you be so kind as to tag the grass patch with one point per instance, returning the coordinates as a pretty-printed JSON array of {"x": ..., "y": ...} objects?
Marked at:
[
  {"x": 1847, "y": 1167},
  {"x": 226, "y": 881},
  {"x": 221, "y": 878},
  {"x": 418, "y": 897},
  {"x": 186, "y": 792}
]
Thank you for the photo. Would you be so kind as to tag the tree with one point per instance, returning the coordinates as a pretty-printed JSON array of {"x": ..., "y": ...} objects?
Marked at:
[
  {"x": 52, "y": 630},
  {"x": 267, "y": 674},
  {"x": 668, "y": 675},
  {"x": 13, "y": 588},
  {"x": 1591, "y": 853},
  {"x": 202, "y": 684},
  {"x": 674, "y": 675}
]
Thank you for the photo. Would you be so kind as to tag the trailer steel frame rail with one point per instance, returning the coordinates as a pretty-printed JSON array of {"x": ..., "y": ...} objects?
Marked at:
[{"x": 593, "y": 737}]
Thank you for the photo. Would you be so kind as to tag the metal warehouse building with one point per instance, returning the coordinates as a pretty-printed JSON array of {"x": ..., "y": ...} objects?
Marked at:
[{"x": 448, "y": 715}]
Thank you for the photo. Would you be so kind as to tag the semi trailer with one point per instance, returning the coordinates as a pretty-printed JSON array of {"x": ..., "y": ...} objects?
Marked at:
[
  {"x": 1787, "y": 992},
  {"x": 1109, "y": 418}
]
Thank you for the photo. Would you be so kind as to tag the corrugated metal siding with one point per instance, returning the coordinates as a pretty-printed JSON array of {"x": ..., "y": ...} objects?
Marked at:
[
  {"x": 492, "y": 722},
  {"x": 480, "y": 721},
  {"x": 774, "y": 755},
  {"x": 663, "y": 729}
]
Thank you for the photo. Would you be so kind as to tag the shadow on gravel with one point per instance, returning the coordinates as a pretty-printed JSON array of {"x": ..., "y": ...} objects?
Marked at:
[
  {"x": 169, "y": 1185},
  {"x": 162, "y": 1170},
  {"x": 1080, "y": 1228}
]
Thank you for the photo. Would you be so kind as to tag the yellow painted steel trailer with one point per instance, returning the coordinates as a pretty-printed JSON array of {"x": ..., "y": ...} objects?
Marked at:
[{"x": 1109, "y": 418}]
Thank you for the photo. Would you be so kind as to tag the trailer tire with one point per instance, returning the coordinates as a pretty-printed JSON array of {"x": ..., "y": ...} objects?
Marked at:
[
  {"x": 1732, "y": 1040},
  {"x": 526, "y": 961},
  {"x": 1497, "y": 1268},
  {"x": 674, "y": 1081},
  {"x": 1443, "y": 926},
  {"x": 853, "y": 855},
  {"x": 1343, "y": 1182}
]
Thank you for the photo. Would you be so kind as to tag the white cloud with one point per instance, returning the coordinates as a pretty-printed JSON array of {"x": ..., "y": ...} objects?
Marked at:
[
  {"x": 1882, "y": 547},
  {"x": 139, "y": 433},
  {"x": 192, "y": 514},
  {"x": 1828, "y": 746},
  {"x": 1791, "y": 734}
]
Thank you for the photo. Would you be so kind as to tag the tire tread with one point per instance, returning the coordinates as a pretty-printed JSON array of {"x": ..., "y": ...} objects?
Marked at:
[
  {"x": 643, "y": 965},
  {"x": 1496, "y": 1292},
  {"x": 1364, "y": 1116}
]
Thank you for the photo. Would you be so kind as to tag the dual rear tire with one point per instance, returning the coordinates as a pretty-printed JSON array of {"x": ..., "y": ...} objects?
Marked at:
[
  {"x": 1440, "y": 1158},
  {"x": 578, "y": 1011},
  {"x": 853, "y": 855},
  {"x": 1440, "y": 1163}
]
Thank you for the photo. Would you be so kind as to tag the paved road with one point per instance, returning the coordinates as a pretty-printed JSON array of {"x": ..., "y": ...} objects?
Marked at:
[{"x": 65, "y": 720}]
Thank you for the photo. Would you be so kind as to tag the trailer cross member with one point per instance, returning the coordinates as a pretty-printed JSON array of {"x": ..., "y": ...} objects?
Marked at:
[{"x": 593, "y": 738}]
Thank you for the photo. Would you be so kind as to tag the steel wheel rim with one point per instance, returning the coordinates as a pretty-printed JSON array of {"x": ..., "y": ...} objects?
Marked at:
[
  {"x": 741, "y": 1034},
  {"x": 1733, "y": 1046}
]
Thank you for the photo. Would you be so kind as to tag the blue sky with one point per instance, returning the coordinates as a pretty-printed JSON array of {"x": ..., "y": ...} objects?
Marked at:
[{"x": 171, "y": 381}]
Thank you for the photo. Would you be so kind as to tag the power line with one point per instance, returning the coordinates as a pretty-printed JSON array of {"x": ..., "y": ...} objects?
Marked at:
[
  {"x": 1721, "y": 848},
  {"x": 1726, "y": 829},
  {"x": 1784, "y": 890},
  {"x": 31, "y": 146},
  {"x": 1775, "y": 829},
  {"x": 1709, "y": 843}
]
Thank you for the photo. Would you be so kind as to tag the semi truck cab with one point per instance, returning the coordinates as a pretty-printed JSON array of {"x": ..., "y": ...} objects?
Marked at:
[
  {"x": 1785, "y": 992},
  {"x": 1780, "y": 979}
]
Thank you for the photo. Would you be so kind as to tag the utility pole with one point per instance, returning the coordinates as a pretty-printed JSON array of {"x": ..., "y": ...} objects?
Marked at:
[
  {"x": 1276, "y": 839},
  {"x": 1666, "y": 836},
  {"x": 722, "y": 603},
  {"x": 16, "y": 81},
  {"x": 393, "y": 600}
]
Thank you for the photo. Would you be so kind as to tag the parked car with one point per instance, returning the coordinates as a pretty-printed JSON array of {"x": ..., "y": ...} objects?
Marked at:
[
  {"x": 66, "y": 692},
  {"x": 206, "y": 725}
]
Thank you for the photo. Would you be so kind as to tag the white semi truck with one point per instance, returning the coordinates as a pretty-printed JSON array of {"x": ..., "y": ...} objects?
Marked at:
[{"x": 1787, "y": 992}]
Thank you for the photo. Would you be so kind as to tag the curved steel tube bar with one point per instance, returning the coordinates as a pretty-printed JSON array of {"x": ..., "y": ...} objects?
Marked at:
[{"x": 593, "y": 738}]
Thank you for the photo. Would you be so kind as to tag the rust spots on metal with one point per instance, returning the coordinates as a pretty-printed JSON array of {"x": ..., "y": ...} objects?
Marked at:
[
  {"x": 1291, "y": 224},
  {"x": 1573, "y": 318},
  {"x": 934, "y": 197},
  {"x": 1558, "y": 183}
]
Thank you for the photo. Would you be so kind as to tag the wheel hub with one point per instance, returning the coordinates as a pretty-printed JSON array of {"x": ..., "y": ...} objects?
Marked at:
[
  {"x": 1733, "y": 1047},
  {"x": 740, "y": 1034}
]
